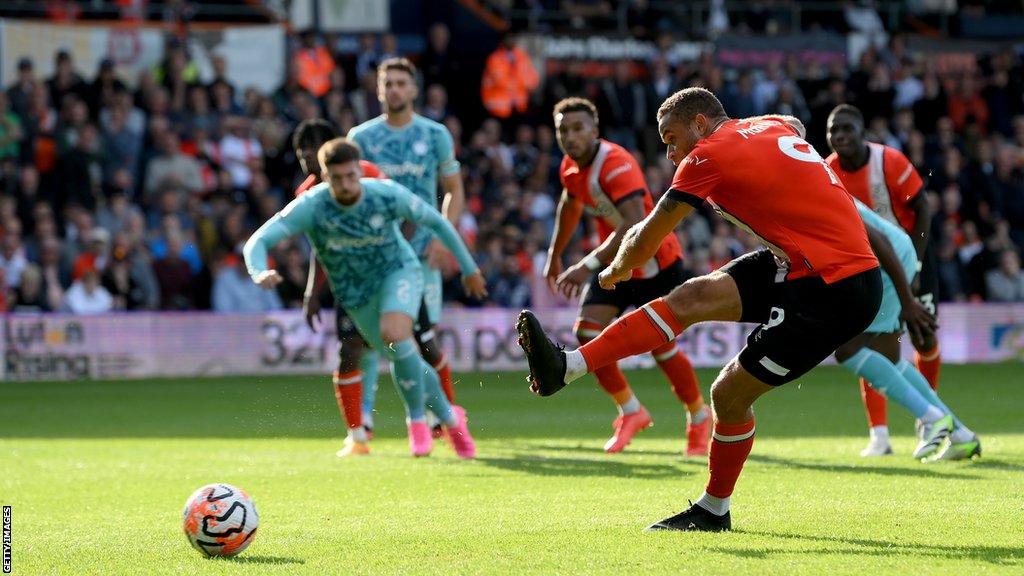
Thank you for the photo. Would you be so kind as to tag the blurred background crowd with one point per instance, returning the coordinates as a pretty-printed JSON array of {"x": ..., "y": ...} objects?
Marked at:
[{"x": 135, "y": 193}]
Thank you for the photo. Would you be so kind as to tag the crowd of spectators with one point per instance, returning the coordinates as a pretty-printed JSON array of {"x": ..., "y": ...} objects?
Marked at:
[{"x": 136, "y": 193}]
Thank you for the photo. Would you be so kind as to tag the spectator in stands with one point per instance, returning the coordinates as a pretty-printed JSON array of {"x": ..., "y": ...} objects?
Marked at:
[
  {"x": 174, "y": 276},
  {"x": 508, "y": 81},
  {"x": 101, "y": 92},
  {"x": 440, "y": 65},
  {"x": 314, "y": 64},
  {"x": 87, "y": 296},
  {"x": 11, "y": 133},
  {"x": 130, "y": 282},
  {"x": 65, "y": 81},
  {"x": 436, "y": 105},
  {"x": 623, "y": 106},
  {"x": 30, "y": 296},
  {"x": 171, "y": 168},
  {"x": 81, "y": 169},
  {"x": 240, "y": 153},
  {"x": 1006, "y": 283},
  {"x": 21, "y": 92},
  {"x": 234, "y": 290},
  {"x": 96, "y": 255},
  {"x": 122, "y": 144},
  {"x": 12, "y": 253}
]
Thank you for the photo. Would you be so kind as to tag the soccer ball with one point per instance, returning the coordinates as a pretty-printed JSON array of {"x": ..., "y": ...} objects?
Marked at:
[{"x": 220, "y": 520}]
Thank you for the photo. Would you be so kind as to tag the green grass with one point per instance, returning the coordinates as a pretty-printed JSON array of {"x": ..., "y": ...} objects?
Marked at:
[{"x": 97, "y": 473}]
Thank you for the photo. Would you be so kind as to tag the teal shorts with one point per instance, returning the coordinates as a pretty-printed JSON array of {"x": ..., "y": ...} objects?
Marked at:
[
  {"x": 432, "y": 293},
  {"x": 888, "y": 318},
  {"x": 401, "y": 291}
]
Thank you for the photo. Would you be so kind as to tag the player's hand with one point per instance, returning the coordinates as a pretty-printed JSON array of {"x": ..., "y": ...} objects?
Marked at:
[
  {"x": 552, "y": 270},
  {"x": 475, "y": 285},
  {"x": 612, "y": 275},
  {"x": 311, "y": 309},
  {"x": 268, "y": 279},
  {"x": 436, "y": 254},
  {"x": 570, "y": 283},
  {"x": 920, "y": 323}
]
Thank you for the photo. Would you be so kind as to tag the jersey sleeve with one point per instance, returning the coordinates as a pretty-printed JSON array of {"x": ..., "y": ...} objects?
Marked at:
[
  {"x": 415, "y": 209},
  {"x": 295, "y": 218},
  {"x": 622, "y": 179},
  {"x": 901, "y": 178},
  {"x": 444, "y": 148},
  {"x": 696, "y": 178}
]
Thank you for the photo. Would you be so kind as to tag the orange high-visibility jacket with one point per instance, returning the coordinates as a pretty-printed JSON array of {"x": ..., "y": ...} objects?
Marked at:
[
  {"x": 509, "y": 77},
  {"x": 315, "y": 67}
]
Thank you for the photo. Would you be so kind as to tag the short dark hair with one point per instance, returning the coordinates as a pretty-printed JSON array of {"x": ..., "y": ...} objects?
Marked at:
[
  {"x": 396, "y": 63},
  {"x": 848, "y": 109},
  {"x": 313, "y": 133},
  {"x": 575, "y": 104},
  {"x": 689, "y": 102},
  {"x": 338, "y": 151}
]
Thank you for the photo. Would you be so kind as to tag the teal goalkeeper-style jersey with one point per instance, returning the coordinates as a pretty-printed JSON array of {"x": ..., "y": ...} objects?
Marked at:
[
  {"x": 358, "y": 245},
  {"x": 901, "y": 242},
  {"x": 415, "y": 155}
]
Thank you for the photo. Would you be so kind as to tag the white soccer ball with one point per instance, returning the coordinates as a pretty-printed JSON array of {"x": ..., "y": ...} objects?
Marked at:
[{"x": 220, "y": 520}]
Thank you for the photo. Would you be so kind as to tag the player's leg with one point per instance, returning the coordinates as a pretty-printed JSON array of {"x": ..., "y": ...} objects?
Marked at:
[
  {"x": 369, "y": 366},
  {"x": 430, "y": 315},
  {"x": 878, "y": 421},
  {"x": 870, "y": 356},
  {"x": 676, "y": 366},
  {"x": 430, "y": 350},
  {"x": 348, "y": 384},
  {"x": 400, "y": 304},
  {"x": 714, "y": 296},
  {"x": 598, "y": 307},
  {"x": 929, "y": 357},
  {"x": 803, "y": 327}
]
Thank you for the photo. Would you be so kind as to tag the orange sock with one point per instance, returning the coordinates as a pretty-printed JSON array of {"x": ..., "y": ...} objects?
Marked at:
[
  {"x": 680, "y": 373},
  {"x": 445, "y": 372},
  {"x": 640, "y": 331},
  {"x": 348, "y": 391},
  {"x": 730, "y": 446},
  {"x": 928, "y": 364},
  {"x": 874, "y": 405}
]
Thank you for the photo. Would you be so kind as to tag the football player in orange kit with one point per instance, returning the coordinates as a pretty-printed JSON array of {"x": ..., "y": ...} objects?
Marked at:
[
  {"x": 604, "y": 179},
  {"x": 884, "y": 179}
]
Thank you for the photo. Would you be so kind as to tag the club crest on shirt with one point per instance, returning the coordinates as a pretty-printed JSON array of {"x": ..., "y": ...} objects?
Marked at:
[
  {"x": 419, "y": 147},
  {"x": 376, "y": 221}
]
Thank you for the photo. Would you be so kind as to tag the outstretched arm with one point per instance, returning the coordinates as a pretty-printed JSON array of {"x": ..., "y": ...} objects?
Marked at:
[
  {"x": 641, "y": 242},
  {"x": 567, "y": 219},
  {"x": 419, "y": 212},
  {"x": 296, "y": 218},
  {"x": 919, "y": 321},
  {"x": 571, "y": 282}
]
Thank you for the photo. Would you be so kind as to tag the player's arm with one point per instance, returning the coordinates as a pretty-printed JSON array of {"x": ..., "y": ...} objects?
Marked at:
[
  {"x": 919, "y": 321},
  {"x": 572, "y": 280},
  {"x": 418, "y": 211},
  {"x": 567, "y": 219},
  {"x": 641, "y": 242},
  {"x": 297, "y": 217},
  {"x": 922, "y": 219}
]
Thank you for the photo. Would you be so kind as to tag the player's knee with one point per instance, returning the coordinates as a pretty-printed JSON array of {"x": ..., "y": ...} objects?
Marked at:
[
  {"x": 727, "y": 402},
  {"x": 392, "y": 334},
  {"x": 687, "y": 300}
]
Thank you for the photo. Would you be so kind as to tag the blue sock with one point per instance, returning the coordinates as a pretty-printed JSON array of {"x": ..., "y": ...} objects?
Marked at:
[
  {"x": 369, "y": 364},
  {"x": 920, "y": 383},
  {"x": 884, "y": 377},
  {"x": 436, "y": 401},
  {"x": 408, "y": 377}
]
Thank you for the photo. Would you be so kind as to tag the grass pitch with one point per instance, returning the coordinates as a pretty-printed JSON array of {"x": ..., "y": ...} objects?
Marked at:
[{"x": 97, "y": 474}]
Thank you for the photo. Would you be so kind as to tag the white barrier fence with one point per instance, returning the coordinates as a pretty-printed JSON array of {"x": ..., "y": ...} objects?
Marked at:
[{"x": 137, "y": 345}]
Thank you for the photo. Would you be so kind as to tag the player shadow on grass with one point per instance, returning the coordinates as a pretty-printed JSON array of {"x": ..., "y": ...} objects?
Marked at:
[
  {"x": 555, "y": 466},
  {"x": 927, "y": 471},
  {"x": 596, "y": 449},
  {"x": 1002, "y": 555},
  {"x": 259, "y": 560}
]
